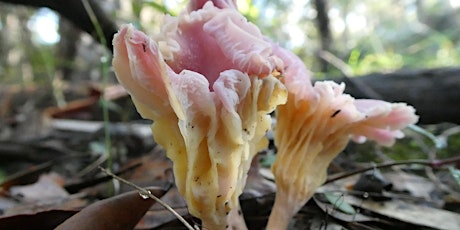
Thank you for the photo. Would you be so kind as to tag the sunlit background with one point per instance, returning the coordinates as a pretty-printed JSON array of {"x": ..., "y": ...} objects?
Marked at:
[
  {"x": 366, "y": 36},
  {"x": 44, "y": 24}
]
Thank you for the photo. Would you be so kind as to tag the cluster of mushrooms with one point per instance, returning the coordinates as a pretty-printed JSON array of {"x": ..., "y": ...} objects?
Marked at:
[{"x": 209, "y": 81}]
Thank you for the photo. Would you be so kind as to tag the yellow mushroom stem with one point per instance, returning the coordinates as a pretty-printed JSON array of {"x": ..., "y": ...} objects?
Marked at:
[{"x": 309, "y": 134}]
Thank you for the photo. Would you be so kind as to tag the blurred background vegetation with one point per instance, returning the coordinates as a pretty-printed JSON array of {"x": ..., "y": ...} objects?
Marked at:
[{"x": 357, "y": 37}]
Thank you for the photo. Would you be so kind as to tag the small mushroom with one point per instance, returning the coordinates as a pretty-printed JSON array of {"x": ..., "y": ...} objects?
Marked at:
[{"x": 314, "y": 126}]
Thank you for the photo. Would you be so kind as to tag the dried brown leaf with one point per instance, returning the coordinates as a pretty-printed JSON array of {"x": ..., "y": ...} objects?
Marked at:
[{"x": 120, "y": 212}]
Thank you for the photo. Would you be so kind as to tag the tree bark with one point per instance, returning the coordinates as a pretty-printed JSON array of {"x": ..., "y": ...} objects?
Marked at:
[
  {"x": 322, "y": 21},
  {"x": 435, "y": 93}
]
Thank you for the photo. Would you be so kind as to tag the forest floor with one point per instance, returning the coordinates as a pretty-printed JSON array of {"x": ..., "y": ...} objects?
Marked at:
[{"x": 50, "y": 158}]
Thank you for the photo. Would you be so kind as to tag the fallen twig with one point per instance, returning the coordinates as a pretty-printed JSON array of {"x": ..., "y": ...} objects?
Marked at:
[
  {"x": 430, "y": 163},
  {"x": 144, "y": 192}
]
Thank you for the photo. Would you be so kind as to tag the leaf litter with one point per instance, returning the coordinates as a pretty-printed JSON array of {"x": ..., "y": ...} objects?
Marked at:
[{"x": 41, "y": 167}]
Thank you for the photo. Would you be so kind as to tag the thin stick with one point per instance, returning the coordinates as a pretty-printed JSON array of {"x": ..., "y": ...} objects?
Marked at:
[
  {"x": 149, "y": 194},
  {"x": 429, "y": 163},
  {"x": 104, "y": 73}
]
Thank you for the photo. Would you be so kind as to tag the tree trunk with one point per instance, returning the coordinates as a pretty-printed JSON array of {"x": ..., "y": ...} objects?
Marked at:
[{"x": 322, "y": 21}]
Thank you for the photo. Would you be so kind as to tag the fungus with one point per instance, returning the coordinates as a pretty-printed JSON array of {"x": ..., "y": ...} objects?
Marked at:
[
  {"x": 208, "y": 82},
  {"x": 314, "y": 126}
]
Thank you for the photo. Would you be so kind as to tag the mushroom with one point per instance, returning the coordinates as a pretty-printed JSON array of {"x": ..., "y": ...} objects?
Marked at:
[
  {"x": 314, "y": 126},
  {"x": 208, "y": 82}
]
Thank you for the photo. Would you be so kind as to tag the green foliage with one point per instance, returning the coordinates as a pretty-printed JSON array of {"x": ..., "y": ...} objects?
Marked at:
[
  {"x": 455, "y": 174},
  {"x": 249, "y": 10},
  {"x": 2, "y": 176},
  {"x": 338, "y": 202},
  {"x": 160, "y": 7},
  {"x": 268, "y": 160},
  {"x": 452, "y": 146},
  {"x": 368, "y": 36},
  {"x": 405, "y": 149},
  {"x": 373, "y": 62},
  {"x": 419, "y": 143}
]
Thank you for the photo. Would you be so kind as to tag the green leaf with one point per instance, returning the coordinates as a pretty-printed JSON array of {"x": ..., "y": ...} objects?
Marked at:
[
  {"x": 160, "y": 7},
  {"x": 97, "y": 147},
  {"x": 438, "y": 142},
  {"x": 110, "y": 105},
  {"x": 339, "y": 203},
  {"x": 268, "y": 160},
  {"x": 455, "y": 174}
]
